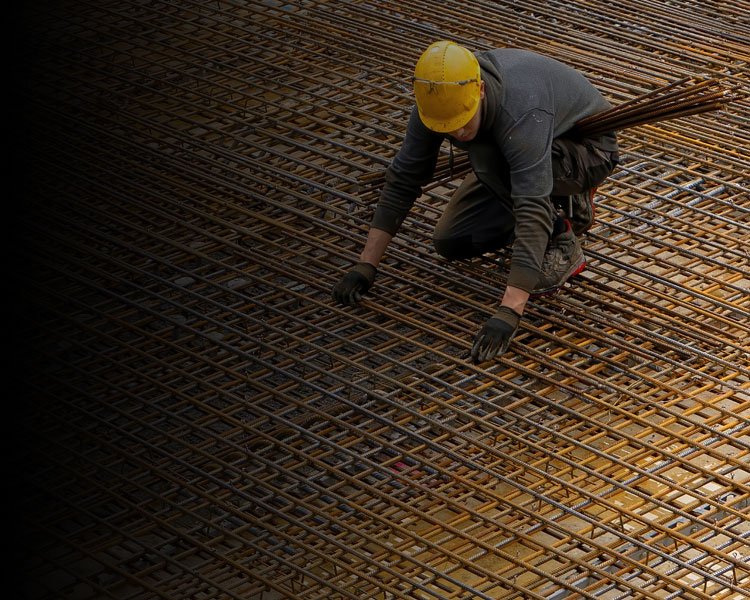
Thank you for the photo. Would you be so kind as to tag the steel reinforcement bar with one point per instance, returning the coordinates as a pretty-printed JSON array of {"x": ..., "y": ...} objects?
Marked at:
[{"x": 205, "y": 422}]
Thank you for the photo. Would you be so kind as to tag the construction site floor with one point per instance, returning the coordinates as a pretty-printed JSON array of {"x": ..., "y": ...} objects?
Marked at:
[{"x": 197, "y": 419}]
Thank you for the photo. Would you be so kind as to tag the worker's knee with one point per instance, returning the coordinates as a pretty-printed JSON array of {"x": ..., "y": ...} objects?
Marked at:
[{"x": 455, "y": 248}]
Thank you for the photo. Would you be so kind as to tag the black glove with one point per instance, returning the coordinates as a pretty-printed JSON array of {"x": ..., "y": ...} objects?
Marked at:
[
  {"x": 495, "y": 335},
  {"x": 356, "y": 282}
]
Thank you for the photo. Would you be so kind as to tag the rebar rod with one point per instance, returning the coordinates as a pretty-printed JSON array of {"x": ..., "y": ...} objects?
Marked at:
[{"x": 205, "y": 422}]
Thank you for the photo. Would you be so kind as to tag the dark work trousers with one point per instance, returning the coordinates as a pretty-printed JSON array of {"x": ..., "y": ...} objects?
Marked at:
[{"x": 479, "y": 216}]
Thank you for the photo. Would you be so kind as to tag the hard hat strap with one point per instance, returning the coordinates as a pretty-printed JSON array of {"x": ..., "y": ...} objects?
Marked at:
[{"x": 432, "y": 83}]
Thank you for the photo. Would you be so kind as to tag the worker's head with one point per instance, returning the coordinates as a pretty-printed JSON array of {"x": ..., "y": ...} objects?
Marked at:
[{"x": 448, "y": 89}]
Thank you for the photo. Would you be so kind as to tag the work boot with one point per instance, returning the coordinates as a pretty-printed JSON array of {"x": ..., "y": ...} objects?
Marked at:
[
  {"x": 562, "y": 260},
  {"x": 581, "y": 211}
]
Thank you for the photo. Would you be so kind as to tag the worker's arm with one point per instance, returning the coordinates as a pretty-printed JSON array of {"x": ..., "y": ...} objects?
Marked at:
[
  {"x": 496, "y": 334},
  {"x": 412, "y": 168},
  {"x": 359, "y": 279},
  {"x": 526, "y": 147},
  {"x": 377, "y": 242},
  {"x": 515, "y": 298}
]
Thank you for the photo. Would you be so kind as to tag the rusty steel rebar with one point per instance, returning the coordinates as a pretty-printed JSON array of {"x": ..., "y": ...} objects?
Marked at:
[
  {"x": 663, "y": 104},
  {"x": 205, "y": 422}
]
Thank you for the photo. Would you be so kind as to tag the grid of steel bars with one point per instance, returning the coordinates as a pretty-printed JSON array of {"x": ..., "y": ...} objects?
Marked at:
[{"x": 205, "y": 423}]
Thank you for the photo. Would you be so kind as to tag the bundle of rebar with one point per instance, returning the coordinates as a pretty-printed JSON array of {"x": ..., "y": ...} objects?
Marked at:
[{"x": 683, "y": 98}]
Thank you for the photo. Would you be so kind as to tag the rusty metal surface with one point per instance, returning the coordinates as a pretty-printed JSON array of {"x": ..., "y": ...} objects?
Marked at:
[{"x": 204, "y": 422}]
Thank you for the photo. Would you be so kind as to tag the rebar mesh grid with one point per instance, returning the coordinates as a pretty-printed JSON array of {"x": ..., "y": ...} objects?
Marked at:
[{"x": 206, "y": 423}]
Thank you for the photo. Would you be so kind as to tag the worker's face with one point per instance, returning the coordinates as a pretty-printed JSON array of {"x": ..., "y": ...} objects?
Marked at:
[{"x": 469, "y": 131}]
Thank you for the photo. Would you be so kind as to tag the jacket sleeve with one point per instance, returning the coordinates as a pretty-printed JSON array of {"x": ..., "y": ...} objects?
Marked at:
[
  {"x": 528, "y": 149},
  {"x": 411, "y": 169}
]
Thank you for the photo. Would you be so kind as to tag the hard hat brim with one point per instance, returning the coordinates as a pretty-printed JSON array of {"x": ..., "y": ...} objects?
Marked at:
[{"x": 451, "y": 124}]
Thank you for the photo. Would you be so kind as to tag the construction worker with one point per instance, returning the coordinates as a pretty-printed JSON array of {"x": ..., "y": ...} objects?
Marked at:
[{"x": 532, "y": 181}]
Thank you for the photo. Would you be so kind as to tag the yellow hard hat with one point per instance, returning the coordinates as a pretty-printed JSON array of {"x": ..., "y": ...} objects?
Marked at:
[{"x": 446, "y": 86}]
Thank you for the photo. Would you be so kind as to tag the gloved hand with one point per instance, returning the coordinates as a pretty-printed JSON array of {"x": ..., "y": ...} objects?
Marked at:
[
  {"x": 496, "y": 334},
  {"x": 356, "y": 282}
]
